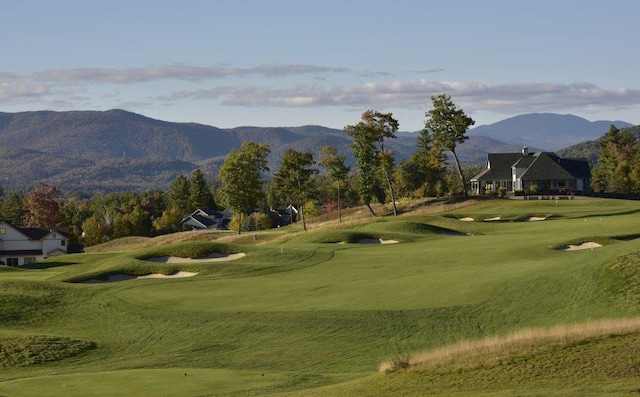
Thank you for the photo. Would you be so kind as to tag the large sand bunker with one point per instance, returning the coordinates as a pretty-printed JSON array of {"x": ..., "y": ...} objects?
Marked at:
[
  {"x": 584, "y": 246},
  {"x": 376, "y": 241},
  {"x": 466, "y": 219},
  {"x": 215, "y": 257},
  {"x": 535, "y": 218},
  {"x": 114, "y": 278}
]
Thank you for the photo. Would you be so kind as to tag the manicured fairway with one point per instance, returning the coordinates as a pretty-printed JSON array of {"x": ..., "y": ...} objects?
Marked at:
[{"x": 308, "y": 312}]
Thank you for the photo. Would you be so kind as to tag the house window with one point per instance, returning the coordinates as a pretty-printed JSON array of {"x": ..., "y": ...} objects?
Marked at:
[
  {"x": 63, "y": 242},
  {"x": 54, "y": 235},
  {"x": 12, "y": 262},
  {"x": 29, "y": 260},
  {"x": 3, "y": 230},
  {"x": 562, "y": 183}
]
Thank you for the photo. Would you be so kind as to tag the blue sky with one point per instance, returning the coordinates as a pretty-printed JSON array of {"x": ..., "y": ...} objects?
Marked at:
[{"x": 291, "y": 63}]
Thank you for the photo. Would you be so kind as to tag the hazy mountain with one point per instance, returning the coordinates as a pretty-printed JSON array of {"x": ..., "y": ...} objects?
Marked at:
[
  {"x": 548, "y": 131},
  {"x": 117, "y": 150}
]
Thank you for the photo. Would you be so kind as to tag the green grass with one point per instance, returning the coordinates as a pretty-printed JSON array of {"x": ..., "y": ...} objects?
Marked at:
[{"x": 309, "y": 313}]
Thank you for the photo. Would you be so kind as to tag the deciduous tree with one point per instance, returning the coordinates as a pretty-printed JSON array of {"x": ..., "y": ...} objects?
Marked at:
[
  {"x": 367, "y": 142},
  {"x": 449, "y": 126},
  {"x": 336, "y": 170},
  {"x": 241, "y": 177},
  {"x": 618, "y": 162},
  {"x": 293, "y": 182},
  {"x": 41, "y": 207}
]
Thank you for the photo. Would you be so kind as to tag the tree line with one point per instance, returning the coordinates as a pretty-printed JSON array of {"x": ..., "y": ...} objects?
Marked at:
[{"x": 246, "y": 187}]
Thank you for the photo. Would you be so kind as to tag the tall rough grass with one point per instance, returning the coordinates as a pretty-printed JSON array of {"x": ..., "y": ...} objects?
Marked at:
[{"x": 465, "y": 353}]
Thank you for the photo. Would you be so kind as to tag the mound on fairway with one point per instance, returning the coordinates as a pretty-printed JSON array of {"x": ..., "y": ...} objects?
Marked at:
[
  {"x": 214, "y": 257},
  {"x": 114, "y": 278}
]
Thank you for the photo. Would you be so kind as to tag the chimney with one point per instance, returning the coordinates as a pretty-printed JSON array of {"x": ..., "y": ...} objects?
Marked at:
[{"x": 525, "y": 151}]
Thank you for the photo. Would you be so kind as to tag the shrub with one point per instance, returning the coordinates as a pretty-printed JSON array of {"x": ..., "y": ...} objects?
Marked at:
[{"x": 399, "y": 363}]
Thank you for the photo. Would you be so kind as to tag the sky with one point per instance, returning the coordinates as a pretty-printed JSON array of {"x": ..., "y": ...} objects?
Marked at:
[{"x": 291, "y": 63}]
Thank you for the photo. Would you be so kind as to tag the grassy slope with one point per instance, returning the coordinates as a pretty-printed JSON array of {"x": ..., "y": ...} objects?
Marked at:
[{"x": 306, "y": 312}]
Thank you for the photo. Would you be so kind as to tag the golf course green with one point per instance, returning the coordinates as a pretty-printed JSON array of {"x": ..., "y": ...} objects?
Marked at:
[{"x": 358, "y": 308}]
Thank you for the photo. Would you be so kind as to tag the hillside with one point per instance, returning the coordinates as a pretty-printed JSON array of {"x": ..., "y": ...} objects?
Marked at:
[
  {"x": 117, "y": 150},
  {"x": 589, "y": 149}
]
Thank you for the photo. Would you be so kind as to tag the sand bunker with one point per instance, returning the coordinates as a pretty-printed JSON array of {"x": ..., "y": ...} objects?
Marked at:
[
  {"x": 466, "y": 219},
  {"x": 215, "y": 257},
  {"x": 584, "y": 246},
  {"x": 114, "y": 278},
  {"x": 495, "y": 218},
  {"x": 376, "y": 241},
  {"x": 535, "y": 218}
]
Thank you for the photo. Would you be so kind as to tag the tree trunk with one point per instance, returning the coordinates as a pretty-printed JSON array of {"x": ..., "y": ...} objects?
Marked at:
[
  {"x": 368, "y": 204},
  {"x": 239, "y": 222},
  {"x": 339, "y": 207},
  {"x": 393, "y": 196},
  {"x": 464, "y": 183},
  {"x": 304, "y": 223}
]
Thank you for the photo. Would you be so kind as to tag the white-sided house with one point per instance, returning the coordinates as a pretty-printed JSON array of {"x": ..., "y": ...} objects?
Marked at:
[{"x": 20, "y": 246}]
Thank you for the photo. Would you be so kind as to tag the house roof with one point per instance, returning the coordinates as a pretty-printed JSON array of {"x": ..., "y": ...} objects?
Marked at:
[
  {"x": 36, "y": 233},
  {"x": 21, "y": 253},
  {"x": 498, "y": 167},
  {"x": 550, "y": 166},
  {"x": 538, "y": 166}
]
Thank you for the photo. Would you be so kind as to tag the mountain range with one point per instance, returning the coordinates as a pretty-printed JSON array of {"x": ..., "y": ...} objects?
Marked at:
[{"x": 114, "y": 150}]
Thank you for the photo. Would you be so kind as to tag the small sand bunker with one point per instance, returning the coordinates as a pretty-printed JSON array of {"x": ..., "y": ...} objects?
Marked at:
[
  {"x": 215, "y": 257},
  {"x": 466, "y": 219},
  {"x": 584, "y": 246},
  {"x": 376, "y": 241},
  {"x": 534, "y": 219},
  {"x": 114, "y": 278},
  {"x": 495, "y": 218}
]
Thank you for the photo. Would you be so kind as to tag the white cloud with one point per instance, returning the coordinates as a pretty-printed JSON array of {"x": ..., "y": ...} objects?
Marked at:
[
  {"x": 91, "y": 87},
  {"x": 504, "y": 98}
]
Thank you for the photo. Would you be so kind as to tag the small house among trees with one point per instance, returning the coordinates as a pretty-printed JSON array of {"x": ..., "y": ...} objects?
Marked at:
[
  {"x": 542, "y": 172},
  {"x": 203, "y": 219}
]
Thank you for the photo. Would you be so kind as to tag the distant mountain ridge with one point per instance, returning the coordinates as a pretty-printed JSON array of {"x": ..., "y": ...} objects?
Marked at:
[
  {"x": 116, "y": 150},
  {"x": 548, "y": 131}
]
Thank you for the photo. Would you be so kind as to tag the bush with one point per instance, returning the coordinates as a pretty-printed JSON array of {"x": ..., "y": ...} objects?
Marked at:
[{"x": 399, "y": 363}]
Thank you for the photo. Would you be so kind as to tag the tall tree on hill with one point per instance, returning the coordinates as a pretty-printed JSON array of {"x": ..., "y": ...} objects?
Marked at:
[
  {"x": 336, "y": 170},
  {"x": 241, "y": 180},
  {"x": 618, "y": 163},
  {"x": 293, "y": 182},
  {"x": 430, "y": 162},
  {"x": 367, "y": 143},
  {"x": 179, "y": 192},
  {"x": 449, "y": 126},
  {"x": 199, "y": 194},
  {"x": 41, "y": 207}
]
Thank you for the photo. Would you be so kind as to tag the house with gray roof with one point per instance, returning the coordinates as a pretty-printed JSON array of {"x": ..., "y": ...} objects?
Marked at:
[
  {"x": 203, "y": 219},
  {"x": 519, "y": 171}
]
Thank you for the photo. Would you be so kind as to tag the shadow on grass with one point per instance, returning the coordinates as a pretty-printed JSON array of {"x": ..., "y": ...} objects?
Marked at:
[{"x": 46, "y": 265}]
